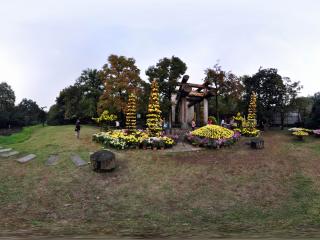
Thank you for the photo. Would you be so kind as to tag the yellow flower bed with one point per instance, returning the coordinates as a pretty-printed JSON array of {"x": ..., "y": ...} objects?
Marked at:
[
  {"x": 213, "y": 132},
  {"x": 300, "y": 133},
  {"x": 123, "y": 139}
]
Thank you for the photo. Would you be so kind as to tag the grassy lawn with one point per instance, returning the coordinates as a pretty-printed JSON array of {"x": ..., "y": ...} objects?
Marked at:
[{"x": 232, "y": 191}]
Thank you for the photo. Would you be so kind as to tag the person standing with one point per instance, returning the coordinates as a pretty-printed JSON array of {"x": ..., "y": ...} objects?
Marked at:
[
  {"x": 77, "y": 129},
  {"x": 193, "y": 124},
  {"x": 117, "y": 124}
]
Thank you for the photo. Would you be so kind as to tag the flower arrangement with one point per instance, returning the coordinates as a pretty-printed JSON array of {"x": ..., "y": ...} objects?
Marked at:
[
  {"x": 212, "y": 136},
  {"x": 213, "y": 131},
  {"x": 122, "y": 139},
  {"x": 248, "y": 127},
  {"x": 300, "y": 134},
  {"x": 316, "y": 132},
  {"x": 131, "y": 113},
  {"x": 154, "y": 112},
  {"x": 105, "y": 119},
  {"x": 301, "y": 129}
]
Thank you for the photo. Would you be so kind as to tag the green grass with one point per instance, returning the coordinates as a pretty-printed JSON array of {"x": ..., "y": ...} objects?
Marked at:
[
  {"x": 19, "y": 137},
  {"x": 229, "y": 192}
]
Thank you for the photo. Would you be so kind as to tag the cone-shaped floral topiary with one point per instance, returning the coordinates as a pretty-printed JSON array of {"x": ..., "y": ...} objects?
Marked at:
[
  {"x": 250, "y": 129},
  {"x": 131, "y": 119},
  {"x": 154, "y": 112},
  {"x": 252, "y": 107}
]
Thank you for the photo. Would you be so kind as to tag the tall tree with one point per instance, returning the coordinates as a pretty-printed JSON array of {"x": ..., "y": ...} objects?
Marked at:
[
  {"x": 7, "y": 100},
  {"x": 167, "y": 71},
  {"x": 304, "y": 106},
  {"x": 27, "y": 112},
  {"x": 227, "y": 86},
  {"x": 274, "y": 93},
  {"x": 287, "y": 93},
  {"x": 69, "y": 101},
  {"x": 120, "y": 77},
  {"x": 315, "y": 113},
  {"x": 91, "y": 87}
]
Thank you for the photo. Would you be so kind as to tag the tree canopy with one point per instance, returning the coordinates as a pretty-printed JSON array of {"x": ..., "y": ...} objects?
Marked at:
[
  {"x": 167, "y": 72},
  {"x": 120, "y": 77},
  {"x": 274, "y": 92}
]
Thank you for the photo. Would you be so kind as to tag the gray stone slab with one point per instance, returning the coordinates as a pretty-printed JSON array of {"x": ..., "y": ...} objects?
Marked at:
[
  {"x": 9, "y": 154},
  {"x": 5, "y": 150},
  {"x": 52, "y": 160},
  {"x": 27, "y": 158},
  {"x": 78, "y": 161}
]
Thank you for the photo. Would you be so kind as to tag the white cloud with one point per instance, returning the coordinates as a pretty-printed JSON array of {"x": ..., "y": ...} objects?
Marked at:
[{"x": 45, "y": 44}]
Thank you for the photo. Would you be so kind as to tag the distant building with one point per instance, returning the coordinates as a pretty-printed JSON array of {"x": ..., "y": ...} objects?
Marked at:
[{"x": 291, "y": 118}]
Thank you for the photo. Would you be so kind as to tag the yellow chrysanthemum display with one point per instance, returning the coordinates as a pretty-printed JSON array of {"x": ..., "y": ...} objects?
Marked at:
[
  {"x": 213, "y": 132},
  {"x": 154, "y": 112},
  {"x": 131, "y": 114},
  {"x": 300, "y": 133}
]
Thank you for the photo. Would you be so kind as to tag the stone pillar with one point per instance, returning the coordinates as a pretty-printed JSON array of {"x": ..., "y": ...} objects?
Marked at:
[
  {"x": 198, "y": 122},
  {"x": 190, "y": 114},
  {"x": 205, "y": 111},
  {"x": 184, "y": 124},
  {"x": 172, "y": 116}
]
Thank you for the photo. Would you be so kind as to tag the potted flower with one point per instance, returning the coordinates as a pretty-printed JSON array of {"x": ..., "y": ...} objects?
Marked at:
[
  {"x": 161, "y": 144},
  {"x": 145, "y": 144},
  {"x": 155, "y": 144}
]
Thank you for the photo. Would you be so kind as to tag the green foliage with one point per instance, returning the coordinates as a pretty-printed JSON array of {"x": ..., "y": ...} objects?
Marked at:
[
  {"x": 167, "y": 72},
  {"x": 227, "y": 89},
  {"x": 91, "y": 87},
  {"x": 26, "y": 113},
  {"x": 304, "y": 106},
  {"x": 120, "y": 78},
  {"x": 55, "y": 115},
  {"x": 7, "y": 100},
  {"x": 315, "y": 113},
  {"x": 274, "y": 92},
  {"x": 213, "y": 119},
  {"x": 78, "y": 100}
]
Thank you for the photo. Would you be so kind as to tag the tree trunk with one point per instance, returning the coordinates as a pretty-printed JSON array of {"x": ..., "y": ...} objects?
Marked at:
[
  {"x": 217, "y": 109},
  {"x": 282, "y": 120}
]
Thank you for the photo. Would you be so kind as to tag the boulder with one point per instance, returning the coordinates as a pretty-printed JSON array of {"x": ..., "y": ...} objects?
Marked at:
[{"x": 103, "y": 160}]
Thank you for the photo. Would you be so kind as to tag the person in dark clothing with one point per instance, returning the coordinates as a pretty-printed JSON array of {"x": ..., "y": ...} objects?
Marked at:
[{"x": 77, "y": 129}]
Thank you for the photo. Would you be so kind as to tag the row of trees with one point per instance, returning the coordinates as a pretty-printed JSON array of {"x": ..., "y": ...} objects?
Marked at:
[
  {"x": 110, "y": 87},
  {"x": 27, "y": 112}
]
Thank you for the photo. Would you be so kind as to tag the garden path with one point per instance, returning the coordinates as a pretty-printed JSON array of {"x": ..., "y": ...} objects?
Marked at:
[
  {"x": 52, "y": 160},
  {"x": 27, "y": 158},
  {"x": 183, "y": 147},
  {"x": 9, "y": 154},
  {"x": 78, "y": 161}
]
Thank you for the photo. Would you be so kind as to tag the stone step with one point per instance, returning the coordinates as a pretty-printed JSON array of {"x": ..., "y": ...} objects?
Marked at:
[
  {"x": 5, "y": 150},
  {"x": 27, "y": 158},
  {"x": 78, "y": 161},
  {"x": 52, "y": 160},
  {"x": 9, "y": 154}
]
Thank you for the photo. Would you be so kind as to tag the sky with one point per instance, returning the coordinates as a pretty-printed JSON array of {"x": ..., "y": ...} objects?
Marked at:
[{"x": 45, "y": 44}]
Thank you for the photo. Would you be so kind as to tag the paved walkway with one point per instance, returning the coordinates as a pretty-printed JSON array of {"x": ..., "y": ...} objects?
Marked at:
[{"x": 183, "y": 147}]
